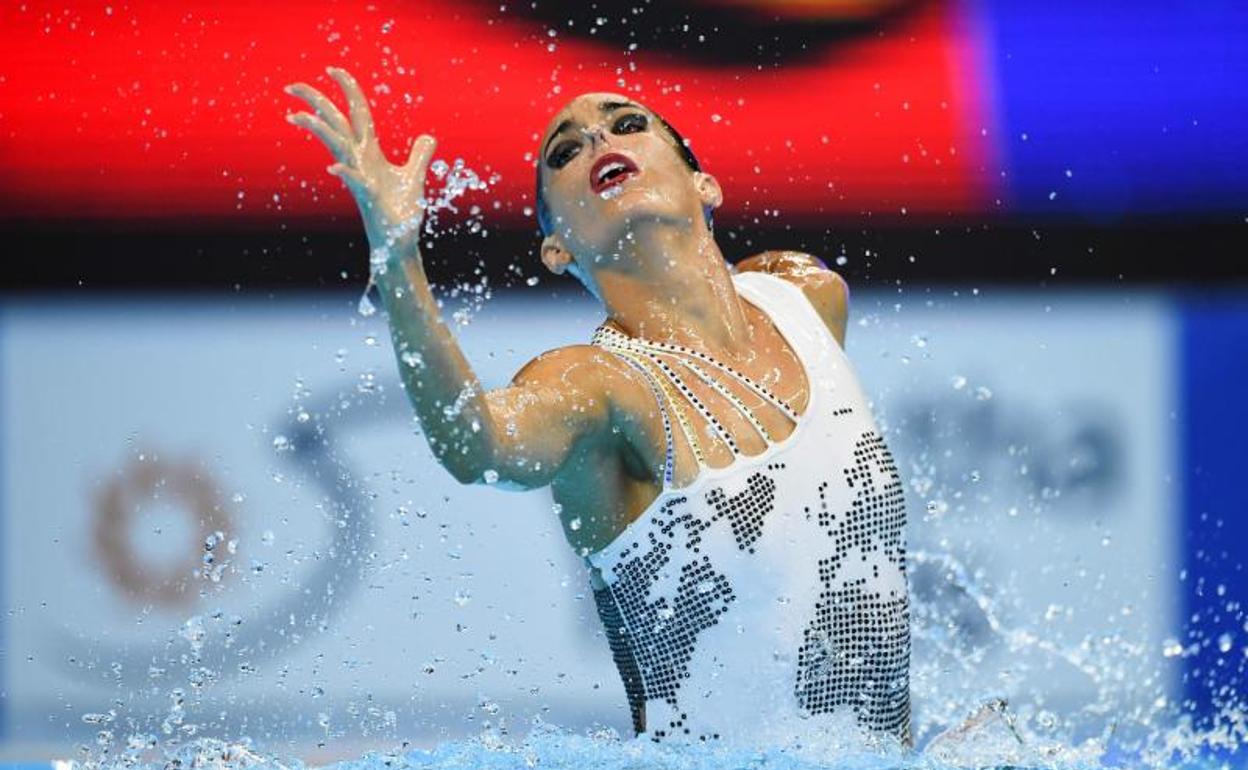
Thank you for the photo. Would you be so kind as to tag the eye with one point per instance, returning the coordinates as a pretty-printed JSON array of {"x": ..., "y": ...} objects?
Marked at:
[
  {"x": 630, "y": 123},
  {"x": 563, "y": 152}
]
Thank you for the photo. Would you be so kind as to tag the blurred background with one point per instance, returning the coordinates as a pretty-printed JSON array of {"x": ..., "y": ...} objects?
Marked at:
[{"x": 217, "y": 515}]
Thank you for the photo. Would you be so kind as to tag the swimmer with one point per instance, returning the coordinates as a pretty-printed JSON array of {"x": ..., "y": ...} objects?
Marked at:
[{"x": 713, "y": 456}]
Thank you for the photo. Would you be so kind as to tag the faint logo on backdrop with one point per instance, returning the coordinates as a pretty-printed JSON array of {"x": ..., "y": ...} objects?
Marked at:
[
  {"x": 720, "y": 31},
  {"x": 1073, "y": 453},
  {"x": 230, "y": 645},
  {"x": 144, "y": 481}
]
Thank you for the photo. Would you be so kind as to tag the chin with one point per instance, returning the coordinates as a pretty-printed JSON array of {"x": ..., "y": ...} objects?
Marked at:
[{"x": 631, "y": 209}]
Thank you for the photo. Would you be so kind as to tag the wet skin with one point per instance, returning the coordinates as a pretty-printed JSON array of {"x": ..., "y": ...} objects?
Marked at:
[{"x": 578, "y": 418}]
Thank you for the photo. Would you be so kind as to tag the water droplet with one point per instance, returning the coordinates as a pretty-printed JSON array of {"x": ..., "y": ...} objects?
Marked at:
[
  {"x": 575, "y": 524},
  {"x": 1046, "y": 720},
  {"x": 1171, "y": 648},
  {"x": 490, "y": 476},
  {"x": 193, "y": 631}
]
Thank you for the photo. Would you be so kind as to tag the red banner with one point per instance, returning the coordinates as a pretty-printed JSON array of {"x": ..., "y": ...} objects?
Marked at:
[{"x": 176, "y": 110}]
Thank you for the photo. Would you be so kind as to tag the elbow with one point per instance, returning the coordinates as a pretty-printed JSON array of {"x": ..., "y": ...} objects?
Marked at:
[
  {"x": 464, "y": 473},
  {"x": 468, "y": 465},
  {"x": 512, "y": 480},
  {"x": 487, "y": 467}
]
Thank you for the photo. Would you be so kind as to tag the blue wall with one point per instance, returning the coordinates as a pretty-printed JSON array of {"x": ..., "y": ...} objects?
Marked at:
[
  {"x": 1214, "y": 473},
  {"x": 1144, "y": 103}
]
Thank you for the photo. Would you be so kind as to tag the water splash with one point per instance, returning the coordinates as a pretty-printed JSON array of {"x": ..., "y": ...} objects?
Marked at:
[
  {"x": 1016, "y": 728},
  {"x": 456, "y": 179},
  {"x": 987, "y": 742}
]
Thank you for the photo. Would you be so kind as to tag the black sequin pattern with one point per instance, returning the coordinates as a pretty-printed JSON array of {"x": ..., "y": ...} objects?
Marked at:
[
  {"x": 622, "y": 653},
  {"x": 876, "y": 519},
  {"x": 661, "y": 634},
  {"x": 856, "y": 650},
  {"x": 856, "y": 655},
  {"x": 747, "y": 510}
]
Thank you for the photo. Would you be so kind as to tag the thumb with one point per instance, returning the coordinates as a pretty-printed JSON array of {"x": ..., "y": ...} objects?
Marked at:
[{"x": 422, "y": 151}]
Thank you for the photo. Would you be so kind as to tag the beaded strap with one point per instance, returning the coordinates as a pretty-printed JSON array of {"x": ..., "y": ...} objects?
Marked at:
[
  {"x": 670, "y": 458},
  {"x": 685, "y": 426},
  {"x": 619, "y": 338},
  {"x": 733, "y": 399},
  {"x": 688, "y": 393}
]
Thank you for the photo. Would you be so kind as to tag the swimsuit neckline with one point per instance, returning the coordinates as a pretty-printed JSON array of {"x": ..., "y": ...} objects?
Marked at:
[{"x": 707, "y": 473}]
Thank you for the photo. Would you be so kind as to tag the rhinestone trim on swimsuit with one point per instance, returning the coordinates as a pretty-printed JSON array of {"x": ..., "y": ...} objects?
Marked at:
[{"x": 607, "y": 335}]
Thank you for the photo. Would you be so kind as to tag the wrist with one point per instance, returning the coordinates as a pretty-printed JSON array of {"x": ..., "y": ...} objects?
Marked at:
[{"x": 395, "y": 268}]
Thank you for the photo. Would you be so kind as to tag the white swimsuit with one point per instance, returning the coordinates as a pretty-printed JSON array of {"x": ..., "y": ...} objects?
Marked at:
[{"x": 767, "y": 598}]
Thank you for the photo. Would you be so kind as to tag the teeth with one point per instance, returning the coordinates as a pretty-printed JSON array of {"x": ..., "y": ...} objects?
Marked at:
[{"x": 607, "y": 169}]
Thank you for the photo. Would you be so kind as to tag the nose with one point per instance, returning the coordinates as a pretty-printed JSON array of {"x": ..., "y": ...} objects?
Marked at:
[{"x": 595, "y": 133}]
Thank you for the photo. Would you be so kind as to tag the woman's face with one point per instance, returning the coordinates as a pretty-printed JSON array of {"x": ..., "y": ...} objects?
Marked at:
[{"x": 608, "y": 164}]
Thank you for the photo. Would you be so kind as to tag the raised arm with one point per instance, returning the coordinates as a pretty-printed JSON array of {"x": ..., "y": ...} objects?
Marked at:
[
  {"x": 516, "y": 436},
  {"x": 519, "y": 434}
]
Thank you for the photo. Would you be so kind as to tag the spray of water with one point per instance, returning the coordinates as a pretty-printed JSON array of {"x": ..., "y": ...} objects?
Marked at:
[{"x": 456, "y": 179}]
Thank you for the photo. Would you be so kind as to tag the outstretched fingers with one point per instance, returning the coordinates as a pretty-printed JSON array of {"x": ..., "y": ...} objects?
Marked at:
[
  {"x": 325, "y": 109},
  {"x": 361, "y": 118},
  {"x": 338, "y": 144},
  {"x": 353, "y": 179}
]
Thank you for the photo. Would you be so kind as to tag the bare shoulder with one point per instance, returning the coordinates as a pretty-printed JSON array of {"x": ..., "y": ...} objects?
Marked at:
[
  {"x": 582, "y": 371},
  {"x": 826, "y": 289},
  {"x": 579, "y": 362}
]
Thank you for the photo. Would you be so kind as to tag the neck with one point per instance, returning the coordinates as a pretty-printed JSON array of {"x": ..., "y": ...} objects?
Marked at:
[{"x": 675, "y": 288}]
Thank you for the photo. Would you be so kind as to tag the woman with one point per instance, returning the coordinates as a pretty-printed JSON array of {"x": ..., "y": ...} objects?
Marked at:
[{"x": 713, "y": 456}]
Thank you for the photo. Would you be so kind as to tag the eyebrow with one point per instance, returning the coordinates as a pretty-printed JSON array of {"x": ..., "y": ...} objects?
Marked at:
[{"x": 604, "y": 107}]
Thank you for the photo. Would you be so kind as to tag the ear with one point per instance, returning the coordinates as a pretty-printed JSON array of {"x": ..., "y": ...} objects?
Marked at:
[
  {"x": 708, "y": 189},
  {"x": 555, "y": 257}
]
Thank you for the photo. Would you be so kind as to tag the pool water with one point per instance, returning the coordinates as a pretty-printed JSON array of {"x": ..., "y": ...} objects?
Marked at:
[{"x": 992, "y": 746}]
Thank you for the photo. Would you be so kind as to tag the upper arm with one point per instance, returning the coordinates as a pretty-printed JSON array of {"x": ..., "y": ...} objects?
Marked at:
[
  {"x": 826, "y": 289},
  {"x": 553, "y": 402}
]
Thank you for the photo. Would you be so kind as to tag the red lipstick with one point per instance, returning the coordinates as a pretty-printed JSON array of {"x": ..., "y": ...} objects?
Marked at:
[{"x": 610, "y": 170}]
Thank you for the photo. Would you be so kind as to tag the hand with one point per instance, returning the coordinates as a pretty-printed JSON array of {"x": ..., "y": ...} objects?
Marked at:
[{"x": 390, "y": 198}]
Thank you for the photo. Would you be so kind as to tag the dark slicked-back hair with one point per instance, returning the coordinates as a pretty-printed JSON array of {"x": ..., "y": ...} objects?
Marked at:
[{"x": 682, "y": 148}]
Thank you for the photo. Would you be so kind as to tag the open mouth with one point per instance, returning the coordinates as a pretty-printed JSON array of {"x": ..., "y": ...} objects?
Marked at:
[{"x": 611, "y": 170}]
